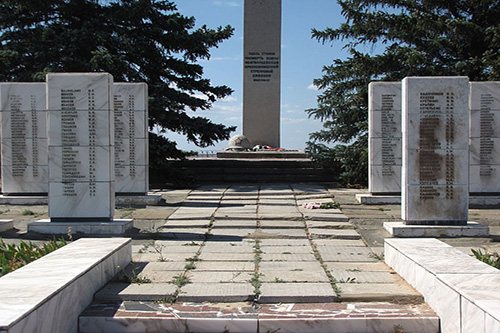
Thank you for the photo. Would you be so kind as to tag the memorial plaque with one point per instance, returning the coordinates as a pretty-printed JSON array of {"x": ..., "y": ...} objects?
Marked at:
[
  {"x": 80, "y": 145},
  {"x": 385, "y": 142},
  {"x": 261, "y": 74},
  {"x": 485, "y": 137},
  {"x": 131, "y": 138},
  {"x": 435, "y": 150},
  {"x": 24, "y": 138}
]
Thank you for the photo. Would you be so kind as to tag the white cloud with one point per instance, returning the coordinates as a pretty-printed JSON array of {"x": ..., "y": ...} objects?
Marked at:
[
  {"x": 312, "y": 87},
  {"x": 229, "y": 99}
]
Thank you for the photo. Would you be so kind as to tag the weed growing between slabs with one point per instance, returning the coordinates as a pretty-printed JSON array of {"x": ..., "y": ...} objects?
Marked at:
[{"x": 491, "y": 258}]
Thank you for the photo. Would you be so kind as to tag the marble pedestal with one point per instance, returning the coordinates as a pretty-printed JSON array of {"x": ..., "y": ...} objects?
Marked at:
[
  {"x": 137, "y": 199},
  {"x": 6, "y": 225},
  {"x": 284, "y": 154},
  {"x": 114, "y": 227},
  {"x": 472, "y": 229},
  {"x": 374, "y": 199}
]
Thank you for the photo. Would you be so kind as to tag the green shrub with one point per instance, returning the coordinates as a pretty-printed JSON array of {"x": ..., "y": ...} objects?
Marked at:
[
  {"x": 491, "y": 258},
  {"x": 14, "y": 256}
]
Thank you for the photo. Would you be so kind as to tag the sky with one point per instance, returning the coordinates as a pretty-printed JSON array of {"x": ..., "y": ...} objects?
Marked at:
[{"x": 302, "y": 60}]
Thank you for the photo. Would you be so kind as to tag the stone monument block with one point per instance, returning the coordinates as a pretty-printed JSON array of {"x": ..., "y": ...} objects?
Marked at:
[
  {"x": 131, "y": 138},
  {"x": 24, "y": 138},
  {"x": 385, "y": 141},
  {"x": 80, "y": 145},
  {"x": 435, "y": 166},
  {"x": 484, "y": 137},
  {"x": 261, "y": 74}
]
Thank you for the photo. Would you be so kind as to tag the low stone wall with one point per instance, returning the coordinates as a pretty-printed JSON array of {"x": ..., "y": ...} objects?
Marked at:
[
  {"x": 49, "y": 294},
  {"x": 464, "y": 292}
]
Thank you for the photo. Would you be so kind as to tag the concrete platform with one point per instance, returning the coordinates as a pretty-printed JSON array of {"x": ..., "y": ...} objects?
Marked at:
[
  {"x": 472, "y": 229},
  {"x": 285, "y": 154},
  {"x": 6, "y": 225},
  {"x": 138, "y": 200},
  {"x": 116, "y": 227},
  {"x": 23, "y": 200},
  {"x": 374, "y": 199}
]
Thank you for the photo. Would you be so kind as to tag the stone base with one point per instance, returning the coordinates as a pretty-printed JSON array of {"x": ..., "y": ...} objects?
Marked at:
[
  {"x": 472, "y": 229},
  {"x": 115, "y": 227},
  {"x": 6, "y": 225},
  {"x": 23, "y": 200},
  {"x": 285, "y": 154},
  {"x": 371, "y": 199},
  {"x": 374, "y": 199},
  {"x": 138, "y": 200}
]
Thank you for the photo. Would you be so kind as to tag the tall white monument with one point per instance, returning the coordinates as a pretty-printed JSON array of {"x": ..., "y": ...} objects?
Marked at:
[{"x": 261, "y": 75}]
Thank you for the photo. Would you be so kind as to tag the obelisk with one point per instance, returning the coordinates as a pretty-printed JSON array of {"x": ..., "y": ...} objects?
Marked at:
[{"x": 261, "y": 72}]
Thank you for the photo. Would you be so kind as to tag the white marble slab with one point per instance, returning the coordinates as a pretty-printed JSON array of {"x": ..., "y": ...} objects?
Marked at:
[
  {"x": 485, "y": 136},
  {"x": 81, "y": 139},
  {"x": 65, "y": 283},
  {"x": 131, "y": 137},
  {"x": 384, "y": 130},
  {"x": 435, "y": 168},
  {"x": 24, "y": 138},
  {"x": 463, "y": 291},
  {"x": 80, "y": 200}
]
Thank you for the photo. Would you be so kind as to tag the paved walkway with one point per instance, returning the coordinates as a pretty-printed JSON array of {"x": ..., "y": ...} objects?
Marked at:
[
  {"x": 258, "y": 243},
  {"x": 252, "y": 252}
]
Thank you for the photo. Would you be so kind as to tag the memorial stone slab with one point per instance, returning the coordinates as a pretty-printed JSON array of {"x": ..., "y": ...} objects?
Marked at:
[
  {"x": 131, "y": 137},
  {"x": 435, "y": 166},
  {"x": 484, "y": 137},
  {"x": 261, "y": 75},
  {"x": 80, "y": 140},
  {"x": 385, "y": 141},
  {"x": 24, "y": 138}
]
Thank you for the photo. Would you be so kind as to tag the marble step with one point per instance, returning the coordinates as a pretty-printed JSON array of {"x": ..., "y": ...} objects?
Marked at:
[{"x": 135, "y": 316}]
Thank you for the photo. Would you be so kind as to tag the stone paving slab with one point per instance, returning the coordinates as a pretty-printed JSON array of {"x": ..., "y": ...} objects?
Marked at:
[
  {"x": 159, "y": 276},
  {"x": 334, "y": 233},
  {"x": 338, "y": 242},
  {"x": 329, "y": 225},
  {"x": 228, "y": 247},
  {"x": 378, "y": 292},
  {"x": 165, "y": 256},
  {"x": 333, "y": 217},
  {"x": 116, "y": 291},
  {"x": 183, "y": 234},
  {"x": 219, "y": 277},
  {"x": 288, "y": 257},
  {"x": 210, "y": 256},
  {"x": 270, "y": 224},
  {"x": 236, "y": 216},
  {"x": 164, "y": 249},
  {"x": 163, "y": 266},
  {"x": 358, "y": 266},
  {"x": 308, "y": 188},
  {"x": 365, "y": 277},
  {"x": 232, "y": 232},
  {"x": 296, "y": 292},
  {"x": 216, "y": 292},
  {"x": 294, "y": 276},
  {"x": 241, "y": 223},
  {"x": 297, "y": 266},
  {"x": 225, "y": 266},
  {"x": 284, "y": 242},
  {"x": 286, "y": 249},
  {"x": 186, "y": 224},
  {"x": 280, "y": 233}
]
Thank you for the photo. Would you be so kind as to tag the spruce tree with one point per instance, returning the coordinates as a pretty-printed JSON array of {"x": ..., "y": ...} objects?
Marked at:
[
  {"x": 134, "y": 40},
  {"x": 388, "y": 40}
]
